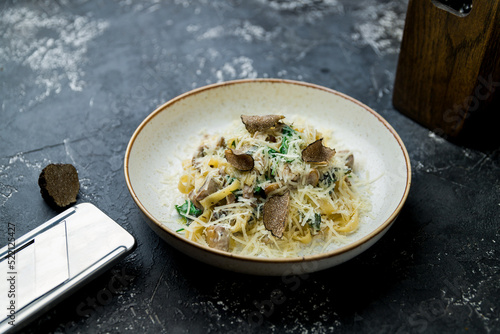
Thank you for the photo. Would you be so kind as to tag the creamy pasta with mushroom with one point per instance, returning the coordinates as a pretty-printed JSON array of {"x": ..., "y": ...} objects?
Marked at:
[{"x": 268, "y": 187}]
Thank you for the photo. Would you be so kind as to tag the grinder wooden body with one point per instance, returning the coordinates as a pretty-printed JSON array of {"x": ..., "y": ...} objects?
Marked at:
[{"x": 448, "y": 75}]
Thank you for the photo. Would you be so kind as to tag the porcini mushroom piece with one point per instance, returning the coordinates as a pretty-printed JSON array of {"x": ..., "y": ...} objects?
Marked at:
[
  {"x": 209, "y": 187},
  {"x": 260, "y": 123},
  {"x": 312, "y": 177},
  {"x": 271, "y": 139},
  {"x": 316, "y": 152},
  {"x": 289, "y": 175},
  {"x": 349, "y": 162},
  {"x": 221, "y": 142},
  {"x": 192, "y": 198},
  {"x": 276, "y": 213},
  {"x": 240, "y": 161},
  {"x": 217, "y": 237},
  {"x": 271, "y": 187},
  {"x": 247, "y": 191},
  {"x": 230, "y": 199}
]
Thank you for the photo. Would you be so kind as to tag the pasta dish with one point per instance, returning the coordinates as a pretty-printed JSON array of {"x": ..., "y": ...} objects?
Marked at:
[{"x": 269, "y": 187}]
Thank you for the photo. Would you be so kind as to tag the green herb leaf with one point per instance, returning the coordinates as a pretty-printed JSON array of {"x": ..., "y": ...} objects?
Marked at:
[
  {"x": 230, "y": 179},
  {"x": 188, "y": 209},
  {"x": 328, "y": 178},
  {"x": 287, "y": 132},
  {"x": 258, "y": 191},
  {"x": 316, "y": 222},
  {"x": 273, "y": 171},
  {"x": 272, "y": 151},
  {"x": 284, "y": 145}
]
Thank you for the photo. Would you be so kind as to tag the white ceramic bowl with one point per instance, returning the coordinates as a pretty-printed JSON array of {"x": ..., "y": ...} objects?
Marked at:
[{"x": 156, "y": 147}]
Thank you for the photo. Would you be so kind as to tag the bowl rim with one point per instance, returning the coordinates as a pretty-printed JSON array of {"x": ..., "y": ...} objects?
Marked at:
[{"x": 315, "y": 257}]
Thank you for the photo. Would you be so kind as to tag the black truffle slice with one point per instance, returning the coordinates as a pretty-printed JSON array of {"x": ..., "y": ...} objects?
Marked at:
[
  {"x": 276, "y": 213},
  {"x": 316, "y": 152},
  {"x": 240, "y": 161},
  {"x": 59, "y": 185},
  {"x": 260, "y": 123}
]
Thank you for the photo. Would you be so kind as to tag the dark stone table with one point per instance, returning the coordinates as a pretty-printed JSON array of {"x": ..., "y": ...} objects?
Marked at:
[{"x": 76, "y": 79}]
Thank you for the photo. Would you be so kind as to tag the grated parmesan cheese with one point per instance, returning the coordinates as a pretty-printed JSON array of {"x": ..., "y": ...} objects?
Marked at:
[{"x": 320, "y": 213}]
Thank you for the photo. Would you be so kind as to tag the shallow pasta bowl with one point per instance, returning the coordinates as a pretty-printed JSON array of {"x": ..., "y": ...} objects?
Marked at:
[{"x": 157, "y": 145}]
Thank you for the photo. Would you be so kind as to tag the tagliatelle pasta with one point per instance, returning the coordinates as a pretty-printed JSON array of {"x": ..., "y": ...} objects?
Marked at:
[{"x": 269, "y": 187}]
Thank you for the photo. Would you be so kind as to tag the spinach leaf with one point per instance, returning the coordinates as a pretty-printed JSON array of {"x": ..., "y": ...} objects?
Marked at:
[
  {"x": 316, "y": 222},
  {"x": 284, "y": 145},
  {"x": 258, "y": 191},
  {"x": 230, "y": 179},
  {"x": 188, "y": 205},
  {"x": 328, "y": 178},
  {"x": 287, "y": 133},
  {"x": 272, "y": 151}
]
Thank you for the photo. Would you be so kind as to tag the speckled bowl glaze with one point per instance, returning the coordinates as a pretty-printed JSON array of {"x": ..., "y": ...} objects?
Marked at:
[{"x": 377, "y": 148}]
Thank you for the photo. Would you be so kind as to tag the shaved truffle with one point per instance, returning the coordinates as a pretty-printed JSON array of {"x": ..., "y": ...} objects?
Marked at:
[
  {"x": 59, "y": 185},
  {"x": 316, "y": 152},
  {"x": 260, "y": 123},
  {"x": 276, "y": 213},
  {"x": 240, "y": 161}
]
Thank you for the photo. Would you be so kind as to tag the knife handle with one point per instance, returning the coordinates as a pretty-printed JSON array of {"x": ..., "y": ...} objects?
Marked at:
[{"x": 448, "y": 74}]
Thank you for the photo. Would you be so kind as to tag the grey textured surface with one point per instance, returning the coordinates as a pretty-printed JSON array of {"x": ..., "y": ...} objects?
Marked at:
[{"x": 76, "y": 79}]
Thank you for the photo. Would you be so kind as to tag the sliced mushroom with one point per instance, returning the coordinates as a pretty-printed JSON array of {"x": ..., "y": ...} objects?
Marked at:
[
  {"x": 312, "y": 177},
  {"x": 289, "y": 175},
  {"x": 271, "y": 187},
  {"x": 192, "y": 198},
  {"x": 271, "y": 139},
  {"x": 221, "y": 142},
  {"x": 247, "y": 191},
  {"x": 240, "y": 161},
  {"x": 217, "y": 214},
  {"x": 316, "y": 152},
  {"x": 260, "y": 123},
  {"x": 209, "y": 187},
  {"x": 200, "y": 152},
  {"x": 276, "y": 213},
  {"x": 346, "y": 180},
  {"x": 230, "y": 199},
  {"x": 217, "y": 237},
  {"x": 349, "y": 162}
]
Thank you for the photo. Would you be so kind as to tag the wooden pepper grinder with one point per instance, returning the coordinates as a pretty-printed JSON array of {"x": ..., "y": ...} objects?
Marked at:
[{"x": 448, "y": 75}]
